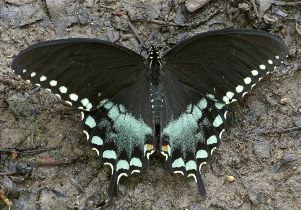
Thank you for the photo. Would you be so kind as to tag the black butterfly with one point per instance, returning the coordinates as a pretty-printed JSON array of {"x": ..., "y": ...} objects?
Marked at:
[{"x": 134, "y": 106}]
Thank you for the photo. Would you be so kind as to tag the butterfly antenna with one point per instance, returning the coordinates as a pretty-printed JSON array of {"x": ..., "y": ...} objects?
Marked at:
[{"x": 134, "y": 28}]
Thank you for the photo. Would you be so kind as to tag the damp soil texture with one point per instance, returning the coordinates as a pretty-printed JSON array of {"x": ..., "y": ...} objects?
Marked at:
[{"x": 46, "y": 163}]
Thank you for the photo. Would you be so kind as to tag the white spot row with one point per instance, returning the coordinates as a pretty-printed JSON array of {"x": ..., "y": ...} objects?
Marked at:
[
  {"x": 73, "y": 97},
  {"x": 239, "y": 88}
]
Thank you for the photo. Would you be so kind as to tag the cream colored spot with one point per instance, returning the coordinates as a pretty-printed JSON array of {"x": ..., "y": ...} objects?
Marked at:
[
  {"x": 213, "y": 149},
  {"x": 239, "y": 88},
  {"x": 230, "y": 94},
  {"x": 111, "y": 166},
  {"x": 121, "y": 175},
  {"x": 53, "y": 83},
  {"x": 33, "y": 74},
  {"x": 135, "y": 171},
  {"x": 200, "y": 168},
  {"x": 254, "y": 72},
  {"x": 96, "y": 150},
  {"x": 89, "y": 106},
  {"x": 262, "y": 67},
  {"x": 84, "y": 101},
  {"x": 73, "y": 97},
  {"x": 225, "y": 114},
  {"x": 189, "y": 175},
  {"x": 87, "y": 135},
  {"x": 247, "y": 80},
  {"x": 63, "y": 89},
  {"x": 68, "y": 102},
  {"x": 43, "y": 78},
  {"x": 57, "y": 95},
  {"x": 221, "y": 133},
  {"x": 226, "y": 99},
  {"x": 178, "y": 172}
]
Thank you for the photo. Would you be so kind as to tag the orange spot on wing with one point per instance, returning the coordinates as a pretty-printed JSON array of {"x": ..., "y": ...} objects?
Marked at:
[
  {"x": 165, "y": 148},
  {"x": 149, "y": 147}
]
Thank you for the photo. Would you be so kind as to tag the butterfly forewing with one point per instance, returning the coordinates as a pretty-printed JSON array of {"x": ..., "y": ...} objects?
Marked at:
[
  {"x": 80, "y": 71},
  {"x": 226, "y": 63},
  {"x": 201, "y": 76}
]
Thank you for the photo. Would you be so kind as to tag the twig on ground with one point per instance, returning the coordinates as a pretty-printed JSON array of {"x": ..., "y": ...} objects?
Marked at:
[
  {"x": 284, "y": 3},
  {"x": 48, "y": 161},
  {"x": 27, "y": 150},
  {"x": 7, "y": 173},
  {"x": 282, "y": 130}
]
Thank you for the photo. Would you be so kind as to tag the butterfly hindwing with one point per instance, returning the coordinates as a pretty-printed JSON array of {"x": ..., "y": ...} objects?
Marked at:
[
  {"x": 201, "y": 76},
  {"x": 121, "y": 140},
  {"x": 189, "y": 139},
  {"x": 121, "y": 137}
]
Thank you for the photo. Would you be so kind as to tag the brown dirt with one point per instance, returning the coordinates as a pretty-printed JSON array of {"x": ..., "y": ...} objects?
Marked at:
[{"x": 261, "y": 148}]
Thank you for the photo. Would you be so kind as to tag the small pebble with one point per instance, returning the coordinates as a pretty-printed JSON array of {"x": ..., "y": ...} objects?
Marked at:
[
  {"x": 288, "y": 158},
  {"x": 276, "y": 167},
  {"x": 298, "y": 28},
  {"x": 244, "y": 6},
  {"x": 230, "y": 178},
  {"x": 2, "y": 88},
  {"x": 284, "y": 101},
  {"x": 193, "y": 5}
]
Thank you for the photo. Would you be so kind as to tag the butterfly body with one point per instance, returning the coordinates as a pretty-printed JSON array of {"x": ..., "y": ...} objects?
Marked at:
[
  {"x": 132, "y": 106},
  {"x": 156, "y": 92}
]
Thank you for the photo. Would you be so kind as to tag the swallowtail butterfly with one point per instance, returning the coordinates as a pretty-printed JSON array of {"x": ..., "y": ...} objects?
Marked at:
[{"x": 175, "y": 104}]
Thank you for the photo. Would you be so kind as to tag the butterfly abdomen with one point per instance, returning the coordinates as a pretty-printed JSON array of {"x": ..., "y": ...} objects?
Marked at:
[{"x": 156, "y": 97}]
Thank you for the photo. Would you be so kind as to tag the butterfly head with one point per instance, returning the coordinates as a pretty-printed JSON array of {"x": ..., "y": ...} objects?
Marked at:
[{"x": 153, "y": 55}]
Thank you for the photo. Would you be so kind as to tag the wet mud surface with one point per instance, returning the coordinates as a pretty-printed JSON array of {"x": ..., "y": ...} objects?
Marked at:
[{"x": 45, "y": 162}]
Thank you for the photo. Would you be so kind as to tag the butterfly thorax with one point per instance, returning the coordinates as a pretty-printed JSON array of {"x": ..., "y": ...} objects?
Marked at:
[{"x": 156, "y": 94}]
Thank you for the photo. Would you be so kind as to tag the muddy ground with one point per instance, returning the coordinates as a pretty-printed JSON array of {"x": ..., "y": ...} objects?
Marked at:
[{"x": 45, "y": 162}]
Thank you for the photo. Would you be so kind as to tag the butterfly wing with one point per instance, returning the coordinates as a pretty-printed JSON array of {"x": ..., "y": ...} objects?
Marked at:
[
  {"x": 104, "y": 80},
  {"x": 201, "y": 76},
  {"x": 123, "y": 140},
  {"x": 79, "y": 69}
]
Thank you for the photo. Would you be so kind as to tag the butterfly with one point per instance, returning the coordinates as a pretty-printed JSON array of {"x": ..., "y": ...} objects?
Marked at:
[{"x": 176, "y": 104}]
